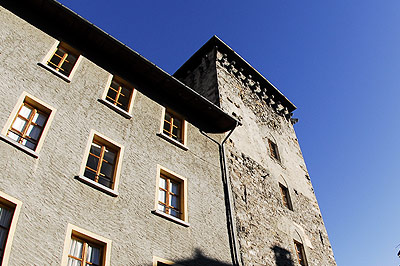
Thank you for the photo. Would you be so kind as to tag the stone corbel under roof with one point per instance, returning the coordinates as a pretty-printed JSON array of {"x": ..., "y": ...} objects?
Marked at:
[{"x": 235, "y": 64}]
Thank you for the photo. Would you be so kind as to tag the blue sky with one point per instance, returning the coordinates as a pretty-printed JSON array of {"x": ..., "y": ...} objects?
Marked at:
[{"x": 337, "y": 61}]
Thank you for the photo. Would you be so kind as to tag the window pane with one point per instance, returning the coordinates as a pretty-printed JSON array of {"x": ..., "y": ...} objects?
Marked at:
[
  {"x": 34, "y": 132},
  {"x": 105, "y": 181},
  {"x": 107, "y": 169},
  {"x": 162, "y": 196},
  {"x": 163, "y": 183},
  {"x": 76, "y": 248},
  {"x": 109, "y": 156},
  {"x": 174, "y": 201},
  {"x": 19, "y": 124},
  {"x": 175, "y": 132},
  {"x": 167, "y": 116},
  {"x": 111, "y": 94},
  {"x": 175, "y": 188},
  {"x": 90, "y": 174},
  {"x": 13, "y": 136},
  {"x": 95, "y": 149},
  {"x": 124, "y": 101},
  {"x": 93, "y": 255},
  {"x": 25, "y": 111},
  {"x": 29, "y": 144},
  {"x": 39, "y": 119},
  {"x": 92, "y": 162},
  {"x": 174, "y": 213},
  {"x": 5, "y": 217},
  {"x": 55, "y": 60},
  {"x": 167, "y": 127}
]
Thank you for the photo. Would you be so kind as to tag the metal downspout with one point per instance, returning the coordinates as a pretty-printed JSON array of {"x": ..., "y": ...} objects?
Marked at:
[{"x": 228, "y": 202}]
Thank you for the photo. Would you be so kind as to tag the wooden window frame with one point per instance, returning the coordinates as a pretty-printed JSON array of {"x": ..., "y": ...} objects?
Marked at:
[
  {"x": 126, "y": 113},
  {"x": 300, "y": 253},
  {"x": 182, "y": 144},
  {"x": 39, "y": 105},
  {"x": 74, "y": 232},
  {"x": 285, "y": 196},
  {"x": 14, "y": 204},
  {"x": 45, "y": 62},
  {"x": 273, "y": 150},
  {"x": 183, "y": 220},
  {"x": 96, "y": 137}
]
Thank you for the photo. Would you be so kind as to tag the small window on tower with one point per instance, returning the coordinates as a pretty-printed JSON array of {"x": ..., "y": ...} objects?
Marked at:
[
  {"x": 300, "y": 253},
  {"x": 285, "y": 197},
  {"x": 273, "y": 149}
]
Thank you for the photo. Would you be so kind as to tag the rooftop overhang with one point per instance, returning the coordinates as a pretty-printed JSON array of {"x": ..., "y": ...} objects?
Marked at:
[
  {"x": 217, "y": 43},
  {"x": 101, "y": 48}
]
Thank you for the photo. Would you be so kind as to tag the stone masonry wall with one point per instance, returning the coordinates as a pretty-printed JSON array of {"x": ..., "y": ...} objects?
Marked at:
[{"x": 266, "y": 228}]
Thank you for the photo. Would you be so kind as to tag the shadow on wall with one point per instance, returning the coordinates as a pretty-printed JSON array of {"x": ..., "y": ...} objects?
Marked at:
[
  {"x": 199, "y": 260},
  {"x": 282, "y": 257}
]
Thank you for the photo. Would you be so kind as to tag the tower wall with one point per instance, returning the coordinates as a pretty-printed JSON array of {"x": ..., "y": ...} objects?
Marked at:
[{"x": 266, "y": 228}]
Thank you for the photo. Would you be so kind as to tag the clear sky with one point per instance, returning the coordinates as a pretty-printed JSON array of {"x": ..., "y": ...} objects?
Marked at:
[{"x": 337, "y": 61}]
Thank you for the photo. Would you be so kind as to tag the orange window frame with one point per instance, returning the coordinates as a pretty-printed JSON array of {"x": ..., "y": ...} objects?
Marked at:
[
  {"x": 63, "y": 59},
  {"x": 101, "y": 160},
  {"x": 172, "y": 124},
  {"x": 30, "y": 122},
  {"x": 169, "y": 193},
  {"x": 119, "y": 94}
]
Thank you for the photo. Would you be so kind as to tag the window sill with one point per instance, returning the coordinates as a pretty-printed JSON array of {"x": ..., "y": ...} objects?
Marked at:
[
  {"x": 67, "y": 79},
  {"x": 116, "y": 108},
  {"x": 19, "y": 146},
  {"x": 171, "y": 140},
  {"x": 96, "y": 185},
  {"x": 170, "y": 217}
]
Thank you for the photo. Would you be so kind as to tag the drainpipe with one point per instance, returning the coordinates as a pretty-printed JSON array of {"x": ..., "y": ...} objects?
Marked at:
[{"x": 228, "y": 196}]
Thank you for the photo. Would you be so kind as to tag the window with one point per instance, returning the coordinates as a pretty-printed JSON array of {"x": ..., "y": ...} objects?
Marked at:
[
  {"x": 173, "y": 126},
  {"x": 119, "y": 96},
  {"x": 171, "y": 196},
  {"x": 301, "y": 256},
  {"x": 102, "y": 163},
  {"x": 28, "y": 124},
  {"x": 63, "y": 59},
  {"x": 285, "y": 197},
  {"x": 9, "y": 212},
  {"x": 84, "y": 248},
  {"x": 273, "y": 149}
]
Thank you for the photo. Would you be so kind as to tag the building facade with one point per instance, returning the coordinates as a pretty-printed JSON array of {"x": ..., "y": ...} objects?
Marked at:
[{"x": 108, "y": 160}]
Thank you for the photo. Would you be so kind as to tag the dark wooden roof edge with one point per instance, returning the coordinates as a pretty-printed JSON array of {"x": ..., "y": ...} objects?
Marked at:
[
  {"x": 213, "y": 119},
  {"x": 216, "y": 42}
]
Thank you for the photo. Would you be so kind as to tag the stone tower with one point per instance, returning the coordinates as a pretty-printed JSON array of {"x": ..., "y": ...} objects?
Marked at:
[{"x": 276, "y": 218}]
